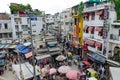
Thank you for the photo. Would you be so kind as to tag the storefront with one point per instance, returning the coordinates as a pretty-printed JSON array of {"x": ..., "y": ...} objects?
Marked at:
[{"x": 43, "y": 59}]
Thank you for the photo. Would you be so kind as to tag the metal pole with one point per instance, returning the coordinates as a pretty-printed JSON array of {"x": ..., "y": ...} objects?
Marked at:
[
  {"x": 33, "y": 55},
  {"x": 19, "y": 55}
]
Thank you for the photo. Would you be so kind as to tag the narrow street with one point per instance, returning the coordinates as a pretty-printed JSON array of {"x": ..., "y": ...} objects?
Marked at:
[{"x": 8, "y": 75}]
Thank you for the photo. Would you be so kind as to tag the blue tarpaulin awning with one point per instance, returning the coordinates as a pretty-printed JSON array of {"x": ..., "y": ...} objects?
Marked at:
[
  {"x": 25, "y": 50},
  {"x": 98, "y": 57},
  {"x": 22, "y": 49},
  {"x": 51, "y": 45}
]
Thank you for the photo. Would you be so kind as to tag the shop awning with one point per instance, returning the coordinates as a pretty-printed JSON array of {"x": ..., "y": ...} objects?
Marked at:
[
  {"x": 90, "y": 42},
  {"x": 101, "y": 12},
  {"x": 55, "y": 53},
  {"x": 85, "y": 28},
  {"x": 27, "y": 44},
  {"x": 98, "y": 44},
  {"x": 29, "y": 54},
  {"x": 99, "y": 29},
  {"x": 20, "y": 47},
  {"x": 53, "y": 42},
  {"x": 42, "y": 56},
  {"x": 51, "y": 45},
  {"x": 115, "y": 73},
  {"x": 91, "y": 28},
  {"x": 113, "y": 63},
  {"x": 7, "y": 45},
  {"x": 2, "y": 46},
  {"x": 54, "y": 49},
  {"x": 24, "y": 51},
  {"x": 98, "y": 57},
  {"x": 85, "y": 14},
  {"x": 12, "y": 46}
]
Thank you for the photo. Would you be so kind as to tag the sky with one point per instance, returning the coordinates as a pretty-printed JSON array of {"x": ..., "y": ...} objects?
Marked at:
[{"x": 49, "y": 6}]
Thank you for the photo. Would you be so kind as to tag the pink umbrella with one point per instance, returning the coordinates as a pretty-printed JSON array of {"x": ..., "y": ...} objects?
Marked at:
[
  {"x": 73, "y": 74},
  {"x": 64, "y": 69},
  {"x": 52, "y": 71}
]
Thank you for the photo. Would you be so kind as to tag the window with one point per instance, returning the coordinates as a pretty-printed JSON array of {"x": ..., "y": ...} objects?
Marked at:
[
  {"x": 34, "y": 31},
  {"x": 0, "y": 26},
  {"x": 28, "y": 20},
  {"x": 100, "y": 48},
  {"x": 10, "y": 35},
  {"x": 16, "y": 26},
  {"x": 66, "y": 23},
  {"x": 76, "y": 21},
  {"x": 17, "y": 20},
  {"x": 65, "y": 16},
  {"x": 43, "y": 25},
  {"x": 101, "y": 17},
  {"x": 6, "y": 26},
  {"x": 0, "y": 35},
  {"x": 119, "y": 32},
  {"x": 93, "y": 16}
]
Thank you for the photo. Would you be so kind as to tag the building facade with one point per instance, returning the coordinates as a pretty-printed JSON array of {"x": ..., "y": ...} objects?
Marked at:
[
  {"x": 5, "y": 27},
  {"x": 21, "y": 25},
  {"x": 95, "y": 26}
]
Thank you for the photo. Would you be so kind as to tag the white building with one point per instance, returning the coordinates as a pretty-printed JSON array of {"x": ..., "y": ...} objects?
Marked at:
[
  {"x": 66, "y": 21},
  {"x": 115, "y": 38},
  {"x": 94, "y": 24},
  {"x": 5, "y": 28},
  {"x": 49, "y": 22},
  {"x": 21, "y": 24}
]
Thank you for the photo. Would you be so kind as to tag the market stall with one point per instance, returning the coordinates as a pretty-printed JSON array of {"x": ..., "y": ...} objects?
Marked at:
[{"x": 27, "y": 71}]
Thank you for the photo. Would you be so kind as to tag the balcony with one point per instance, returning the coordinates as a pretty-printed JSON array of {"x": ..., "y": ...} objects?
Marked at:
[
  {"x": 5, "y": 30},
  {"x": 94, "y": 22},
  {"x": 114, "y": 39},
  {"x": 94, "y": 7}
]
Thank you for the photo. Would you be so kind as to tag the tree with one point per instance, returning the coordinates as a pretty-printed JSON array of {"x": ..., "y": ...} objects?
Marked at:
[
  {"x": 117, "y": 7},
  {"x": 15, "y": 8},
  {"x": 80, "y": 8}
]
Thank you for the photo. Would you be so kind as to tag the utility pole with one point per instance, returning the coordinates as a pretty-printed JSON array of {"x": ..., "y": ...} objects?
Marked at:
[
  {"x": 21, "y": 75},
  {"x": 105, "y": 32},
  {"x": 33, "y": 54}
]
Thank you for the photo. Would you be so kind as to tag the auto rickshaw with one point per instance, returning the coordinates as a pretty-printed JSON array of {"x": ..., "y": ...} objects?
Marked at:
[{"x": 92, "y": 73}]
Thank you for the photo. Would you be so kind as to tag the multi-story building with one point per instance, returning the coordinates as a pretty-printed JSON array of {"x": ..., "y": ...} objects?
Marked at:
[
  {"x": 115, "y": 39},
  {"x": 49, "y": 22},
  {"x": 66, "y": 21},
  {"x": 5, "y": 27},
  {"x": 21, "y": 25},
  {"x": 56, "y": 26},
  {"x": 95, "y": 25}
]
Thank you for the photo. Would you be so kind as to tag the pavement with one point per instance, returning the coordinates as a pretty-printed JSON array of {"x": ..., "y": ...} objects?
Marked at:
[{"x": 8, "y": 75}]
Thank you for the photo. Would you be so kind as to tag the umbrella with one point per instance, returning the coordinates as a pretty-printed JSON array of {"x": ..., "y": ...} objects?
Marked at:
[
  {"x": 73, "y": 74},
  {"x": 64, "y": 69},
  {"x": 60, "y": 58},
  {"x": 87, "y": 63},
  {"x": 69, "y": 54},
  {"x": 92, "y": 78},
  {"x": 43, "y": 71},
  {"x": 52, "y": 71}
]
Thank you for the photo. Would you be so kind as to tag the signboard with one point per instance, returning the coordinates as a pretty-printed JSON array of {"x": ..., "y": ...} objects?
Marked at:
[
  {"x": 33, "y": 18},
  {"x": 105, "y": 32}
]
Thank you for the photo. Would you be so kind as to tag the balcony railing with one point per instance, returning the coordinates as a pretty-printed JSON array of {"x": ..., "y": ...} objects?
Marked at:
[
  {"x": 5, "y": 30},
  {"x": 114, "y": 37}
]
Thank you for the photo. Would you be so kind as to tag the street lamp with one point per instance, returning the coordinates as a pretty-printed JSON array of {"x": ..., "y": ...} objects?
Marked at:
[{"x": 33, "y": 55}]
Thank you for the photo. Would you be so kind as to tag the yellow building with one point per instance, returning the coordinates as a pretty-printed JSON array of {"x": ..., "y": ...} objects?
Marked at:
[
  {"x": 78, "y": 29},
  {"x": 78, "y": 26}
]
